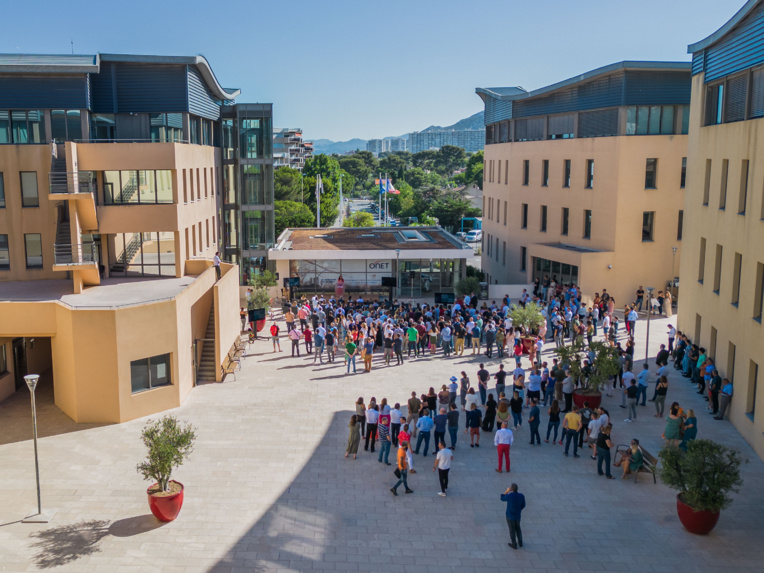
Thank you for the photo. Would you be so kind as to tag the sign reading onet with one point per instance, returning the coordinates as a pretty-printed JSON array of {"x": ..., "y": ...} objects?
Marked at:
[{"x": 379, "y": 265}]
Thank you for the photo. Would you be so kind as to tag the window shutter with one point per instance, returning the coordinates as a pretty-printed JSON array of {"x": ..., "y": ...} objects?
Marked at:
[
  {"x": 599, "y": 123},
  {"x": 757, "y": 93},
  {"x": 734, "y": 106}
]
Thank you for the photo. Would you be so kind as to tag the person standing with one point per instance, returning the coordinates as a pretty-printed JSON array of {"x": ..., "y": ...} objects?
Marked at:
[
  {"x": 604, "y": 446},
  {"x": 571, "y": 425},
  {"x": 534, "y": 420},
  {"x": 660, "y": 396},
  {"x": 384, "y": 439},
  {"x": 554, "y": 422},
  {"x": 726, "y": 397},
  {"x": 453, "y": 424},
  {"x": 372, "y": 418},
  {"x": 516, "y": 406},
  {"x": 368, "y": 354},
  {"x": 443, "y": 464},
  {"x": 424, "y": 425},
  {"x": 350, "y": 353},
  {"x": 643, "y": 379},
  {"x": 216, "y": 264},
  {"x": 568, "y": 385},
  {"x": 503, "y": 440},
  {"x": 402, "y": 470},
  {"x": 294, "y": 335},
  {"x": 501, "y": 380},
  {"x": 483, "y": 376},
  {"x": 275, "y": 337},
  {"x": 440, "y": 422},
  {"x": 464, "y": 387},
  {"x": 354, "y": 438},
  {"x": 289, "y": 318},
  {"x": 515, "y": 505},
  {"x": 631, "y": 400},
  {"x": 360, "y": 413},
  {"x": 395, "y": 423},
  {"x": 473, "y": 423},
  {"x": 414, "y": 405}
]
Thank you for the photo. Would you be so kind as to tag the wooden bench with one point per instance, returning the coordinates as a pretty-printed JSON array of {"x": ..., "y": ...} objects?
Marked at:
[
  {"x": 230, "y": 367},
  {"x": 649, "y": 461}
]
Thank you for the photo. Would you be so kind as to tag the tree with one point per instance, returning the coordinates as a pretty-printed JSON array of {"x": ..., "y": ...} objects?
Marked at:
[
  {"x": 392, "y": 164},
  {"x": 291, "y": 214},
  {"x": 529, "y": 317},
  {"x": 467, "y": 285},
  {"x": 169, "y": 441},
  {"x": 415, "y": 177},
  {"x": 356, "y": 167},
  {"x": 473, "y": 175},
  {"x": 449, "y": 159},
  {"x": 360, "y": 219},
  {"x": 265, "y": 279},
  {"x": 451, "y": 209},
  {"x": 368, "y": 158},
  {"x": 403, "y": 200},
  {"x": 286, "y": 184},
  {"x": 425, "y": 159}
]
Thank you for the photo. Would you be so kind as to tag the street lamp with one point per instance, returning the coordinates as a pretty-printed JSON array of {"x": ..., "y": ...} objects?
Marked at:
[
  {"x": 397, "y": 270},
  {"x": 39, "y": 517},
  {"x": 649, "y": 313}
]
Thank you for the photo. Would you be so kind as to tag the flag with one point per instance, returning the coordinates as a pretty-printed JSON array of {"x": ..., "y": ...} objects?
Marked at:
[
  {"x": 391, "y": 189},
  {"x": 319, "y": 187},
  {"x": 385, "y": 185}
]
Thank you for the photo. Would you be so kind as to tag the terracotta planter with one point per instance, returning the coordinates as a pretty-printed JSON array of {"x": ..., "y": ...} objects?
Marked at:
[
  {"x": 166, "y": 507},
  {"x": 594, "y": 399},
  {"x": 697, "y": 522},
  {"x": 259, "y": 325},
  {"x": 527, "y": 343}
]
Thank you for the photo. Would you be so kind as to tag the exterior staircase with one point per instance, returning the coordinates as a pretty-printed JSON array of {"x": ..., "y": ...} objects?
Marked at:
[
  {"x": 126, "y": 256},
  {"x": 207, "y": 368},
  {"x": 63, "y": 230}
]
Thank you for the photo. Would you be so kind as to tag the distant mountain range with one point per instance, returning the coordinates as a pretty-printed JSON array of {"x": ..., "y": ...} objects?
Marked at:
[{"x": 328, "y": 146}]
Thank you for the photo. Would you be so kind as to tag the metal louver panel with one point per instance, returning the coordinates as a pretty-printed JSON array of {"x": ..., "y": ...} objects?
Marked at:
[
  {"x": 734, "y": 106},
  {"x": 600, "y": 123},
  {"x": 757, "y": 93},
  {"x": 561, "y": 124}
]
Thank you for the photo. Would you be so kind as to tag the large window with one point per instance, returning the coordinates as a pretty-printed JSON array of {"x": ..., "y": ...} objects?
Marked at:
[
  {"x": 565, "y": 220},
  {"x": 587, "y": 224},
  {"x": 144, "y": 254},
  {"x": 103, "y": 126},
  {"x": 150, "y": 373},
  {"x": 589, "y": 174},
  {"x": 166, "y": 127},
  {"x": 566, "y": 173},
  {"x": 256, "y": 138},
  {"x": 29, "y": 195},
  {"x": 714, "y": 104},
  {"x": 683, "y": 177},
  {"x": 33, "y": 246},
  {"x": 256, "y": 185},
  {"x": 648, "y": 225},
  {"x": 651, "y": 173},
  {"x": 654, "y": 119},
  {"x": 65, "y": 124},
  {"x": 524, "y": 216},
  {"x": 2, "y": 191},
  {"x": 22, "y": 126},
  {"x": 526, "y": 171},
  {"x": 256, "y": 230},
  {"x": 5, "y": 258},
  {"x": 137, "y": 187},
  {"x": 545, "y": 173}
]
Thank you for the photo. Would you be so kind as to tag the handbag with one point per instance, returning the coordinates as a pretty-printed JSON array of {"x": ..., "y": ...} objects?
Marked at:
[{"x": 397, "y": 473}]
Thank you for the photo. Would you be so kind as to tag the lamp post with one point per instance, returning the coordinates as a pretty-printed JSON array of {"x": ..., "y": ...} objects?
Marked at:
[
  {"x": 397, "y": 270},
  {"x": 39, "y": 517},
  {"x": 649, "y": 313}
]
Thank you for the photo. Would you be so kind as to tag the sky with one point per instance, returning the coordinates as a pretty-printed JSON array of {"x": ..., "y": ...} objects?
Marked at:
[{"x": 342, "y": 69}]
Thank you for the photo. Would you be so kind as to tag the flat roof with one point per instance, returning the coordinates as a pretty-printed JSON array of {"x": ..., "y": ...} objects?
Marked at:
[
  {"x": 368, "y": 239},
  {"x": 111, "y": 293}
]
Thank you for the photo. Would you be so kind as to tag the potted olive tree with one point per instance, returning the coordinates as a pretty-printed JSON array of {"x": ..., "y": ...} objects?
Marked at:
[
  {"x": 704, "y": 475},
  {"x": 604, "y": 364},
  {"x": 168, "y": 443},
  {"x": 530, "y": 319},
  {"x": 258, "y": 306}
]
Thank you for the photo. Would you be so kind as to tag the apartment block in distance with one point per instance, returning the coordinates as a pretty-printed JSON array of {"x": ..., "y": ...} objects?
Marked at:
[
  {"x": 110, "y": 189},
  {"x": 722, "y": 287},
  {"x": 584, "y": 179},
  {"x": 289, "y": 149}
]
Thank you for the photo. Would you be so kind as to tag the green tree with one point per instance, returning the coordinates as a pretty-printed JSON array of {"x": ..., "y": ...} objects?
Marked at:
[
  {"x": 467, "y": 285},
  {"x": 473, "y": 175},
  {"x": 450, "y": 210},
  {"x": 392, "y": 164},
  {"x": 360, "y": 219},
  {"x": 415, "y": 177},
  {"x": 368, "y": 158},
  {"x": 424, "y": 159},
  {"x": 449, "y": 159},
  {"x": 286, "y": 184},
  {"x": 356, "y": 167},
  {"x": 403, "y": 200},
  {"x": 291, "y": 214}
]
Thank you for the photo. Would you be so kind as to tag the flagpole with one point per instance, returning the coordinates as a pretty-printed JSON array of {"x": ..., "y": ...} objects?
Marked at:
[
  {"x": 318, "y": 201},
  {"x": 387, "y": 192},
  {"x": 379, "y": 210},
  {"x": 342, "y": 212}
]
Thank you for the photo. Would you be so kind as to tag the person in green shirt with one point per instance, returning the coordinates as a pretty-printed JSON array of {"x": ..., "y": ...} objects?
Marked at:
[
  {"x": 412, "y": 334},
  {"x": 635, "y": 460},
  {"x": 350, "y": 353}
]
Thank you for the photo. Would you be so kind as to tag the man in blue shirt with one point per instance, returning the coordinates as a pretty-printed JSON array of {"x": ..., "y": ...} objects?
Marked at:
[
  {"x": 424, "y": 425},
  {"x": 440, "y": 429},
  {"x": 515, "y": 504},
  {"x": 642, "y": 380}
]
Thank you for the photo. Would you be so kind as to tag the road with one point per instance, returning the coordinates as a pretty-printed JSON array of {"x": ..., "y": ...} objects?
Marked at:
[{"x": 365, "y": 206}]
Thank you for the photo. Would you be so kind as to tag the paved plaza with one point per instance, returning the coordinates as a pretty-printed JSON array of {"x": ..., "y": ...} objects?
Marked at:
[{"x": 268, "y": 488}]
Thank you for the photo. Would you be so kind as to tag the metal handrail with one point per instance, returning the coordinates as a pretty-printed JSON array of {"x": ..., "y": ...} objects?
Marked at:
[
  {"x": 71, "y": 182},
  {"x": 137, "y": 140},
  {"x": 79, "y": 254}
]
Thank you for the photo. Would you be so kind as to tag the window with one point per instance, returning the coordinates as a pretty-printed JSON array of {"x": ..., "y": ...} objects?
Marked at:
[
  {"x": 731, "y": 351},
  {"x": 651, "y": 173},
  {"x": 589, "y": 174},
  {"x": 498, "y": 172},
  {"x": 723, "y": 187},
  {"x": 526, "y": 171},
  {"x": 683, "y": 176},
  {"x": 565, "y": 220},
  {"x": 702, "y": 262},
  {"x": 545, "y": 173},
  {"x": 698, "y": 327},
  {"x": 2, "y": 192},
  {"x": 65, "y": 124},
  {"x": 524, "y": 216},
  {"x": 22, "y": 126},
  {"x": 743, "y": 194},
  {"x": 103, "y": 126},
  {"x": 505, "y": 212},
  {"x": 504, "y": 253},
  {"x": 600, "y": 123},
  {"x": 5, "y": 258},
  {"x": 523, "y": 255},
  {"x": 139, "y": 187},
  {"x": 679, "y": 225},
  {"x": 654, "y": 119},
  {"x": 33, "y": 247},
  {"x": 542, "y": 227},
  {"x": 3, "y": 360},
  {"x": 712, "y": 342},
  {"x": 707, "y": 184},
  {"x": 753, "y": 382},
  {"x": 506, "y": 172},
  {"x": 718, "y": 269},
  {"x": 587, "y": 224},
  {"x": 566, "y": 173},
  {"x": 166, "y": 127},
  {"x": 735, "y": 100},
  {"x": 648, "y": 223},
  {"x": 29, "y": 196},
  {"x": 497, "y": 249},
  {"x": 736, "y": 270},
  {"x": 150, "y": 373},
  {"x": 714, "y": 101},
  {"x": 758, "y": 295}
]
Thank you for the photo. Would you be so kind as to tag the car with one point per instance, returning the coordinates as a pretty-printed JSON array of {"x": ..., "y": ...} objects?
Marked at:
[
  {"x": 474, "y": 236},
  {"x": 461, "y": 235}
]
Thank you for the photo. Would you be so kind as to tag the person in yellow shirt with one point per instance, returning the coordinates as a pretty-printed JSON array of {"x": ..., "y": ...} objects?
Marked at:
[
  {"x": 571, "y": 425},
  {"x": 403, "y": 469}
]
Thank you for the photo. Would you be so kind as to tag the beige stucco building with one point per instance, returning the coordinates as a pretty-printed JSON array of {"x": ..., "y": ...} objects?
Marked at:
[
  {"x": 722, "y": 287},
  {"x": 584, "y": 179},
  {"x": 108, "y": 226}
]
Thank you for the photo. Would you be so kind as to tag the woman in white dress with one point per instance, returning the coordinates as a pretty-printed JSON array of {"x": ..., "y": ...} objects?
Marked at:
[{"x": 667, "y": 300}]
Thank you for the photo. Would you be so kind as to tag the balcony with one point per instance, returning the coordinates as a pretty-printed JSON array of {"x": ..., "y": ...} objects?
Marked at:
[
  {"x": 80, "y": 187},
  {"x": 81, "y": 259}
]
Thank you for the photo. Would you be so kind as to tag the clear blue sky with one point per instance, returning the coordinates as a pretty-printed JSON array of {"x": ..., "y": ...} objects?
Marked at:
[{"x": 341, "y": 69}]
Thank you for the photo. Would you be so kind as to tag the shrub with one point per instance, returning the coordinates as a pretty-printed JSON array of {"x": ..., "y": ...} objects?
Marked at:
[
  {"x": 168, "y": 443},
  {"x": 467, "y": 285}
]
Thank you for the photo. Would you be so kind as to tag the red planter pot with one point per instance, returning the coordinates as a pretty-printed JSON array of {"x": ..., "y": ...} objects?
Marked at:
[
  {"x": 259, "y": 325},
  {"x": 527, "y": 343},
  {"x": 697, "y": 522},
  {"x": 166, "y": 508},
  {"x": 594, "y": 399}
]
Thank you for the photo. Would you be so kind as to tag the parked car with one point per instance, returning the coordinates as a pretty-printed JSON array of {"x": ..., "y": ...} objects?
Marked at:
[
  {"x": 461, "y": 235},
  {"x": 474, "y": 236}
]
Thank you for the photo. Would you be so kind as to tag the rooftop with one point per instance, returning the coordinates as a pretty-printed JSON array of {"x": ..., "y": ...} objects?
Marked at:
[
  {"x": 368, "y": 239},
  {"x": 725, "y": 29}
]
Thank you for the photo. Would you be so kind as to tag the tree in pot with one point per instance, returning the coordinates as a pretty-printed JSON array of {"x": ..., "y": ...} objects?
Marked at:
[
  {"x": 168, "y": 443},
  {"x": 704, "y": 475},
  {"x": 529, "y": 318},
  {"x": 604, "y": 363},
  {"x": 260, "y": 299}
]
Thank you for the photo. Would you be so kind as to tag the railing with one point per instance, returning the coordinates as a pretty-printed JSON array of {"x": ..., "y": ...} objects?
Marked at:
[
  {"x": 71, "y": 182},
  {"x": 80, "y": 254},
  {"x": 134, "y": 140}
]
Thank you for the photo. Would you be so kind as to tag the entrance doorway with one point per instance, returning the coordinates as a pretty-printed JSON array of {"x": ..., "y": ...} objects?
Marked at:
[{"x": 19, "y": 362}]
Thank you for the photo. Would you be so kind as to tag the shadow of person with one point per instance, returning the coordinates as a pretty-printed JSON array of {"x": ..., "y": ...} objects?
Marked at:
[
  {"x": 134, "y": 525},
  {"x": 58, "y": 546}
]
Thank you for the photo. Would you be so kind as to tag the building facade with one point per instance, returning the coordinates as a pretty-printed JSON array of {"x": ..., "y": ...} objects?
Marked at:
[
  {"x": 584, "y": 179},
  {"x": 110, "y": 214},
  {"x": 470, "y": 140},
  {"x": 289, "y": 149},
  {"x": 722, "y": 288},
  {"x": 387, "y": 145}
]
